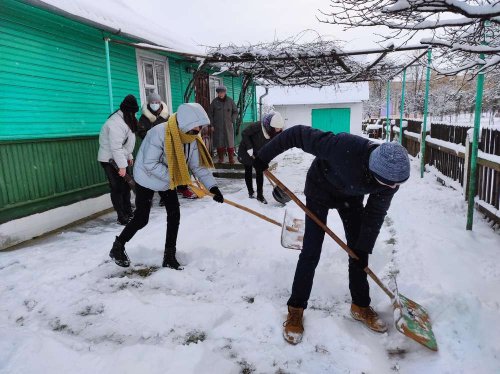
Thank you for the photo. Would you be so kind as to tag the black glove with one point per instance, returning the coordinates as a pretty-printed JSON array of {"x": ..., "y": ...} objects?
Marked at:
[
  {"x": 217, "y": 194},
  {"x": 260, "y": 165}
]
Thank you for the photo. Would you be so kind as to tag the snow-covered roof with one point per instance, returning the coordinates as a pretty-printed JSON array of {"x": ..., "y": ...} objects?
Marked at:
[
  {"x": 129, "y": 17},
  {"x": 343, "y": 93}
]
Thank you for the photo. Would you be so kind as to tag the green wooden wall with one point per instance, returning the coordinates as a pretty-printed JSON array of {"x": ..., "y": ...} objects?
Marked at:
[
  {"x": 53, "y": 75},
  {"x": 37, "y": 175}
]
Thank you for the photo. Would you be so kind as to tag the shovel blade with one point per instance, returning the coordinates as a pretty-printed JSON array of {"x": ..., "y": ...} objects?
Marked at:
[
  {"x": 412, "y": 320},
  {"x": 292, "y": 231}
]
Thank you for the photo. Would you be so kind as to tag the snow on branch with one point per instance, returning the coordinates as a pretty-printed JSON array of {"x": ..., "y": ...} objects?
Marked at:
[
  {"x": 290, "y": 62},
  {"x": 461, "y": 29}
]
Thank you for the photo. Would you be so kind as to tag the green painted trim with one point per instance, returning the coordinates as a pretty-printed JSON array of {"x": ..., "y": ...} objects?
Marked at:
[
  {"x": 426, "y": 110},
  {"x": 27, "y": 208},
  {"x": 402, "y": 108},
  {"x": 108, "y": 71},
  {"x": 475, "y": 144},
  {"x": 51, "y": 139},
  {"x": 387, "y": 121}
]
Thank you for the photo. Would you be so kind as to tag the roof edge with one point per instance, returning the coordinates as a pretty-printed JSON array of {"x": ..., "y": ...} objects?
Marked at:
[{"x": 117, "y": 32}]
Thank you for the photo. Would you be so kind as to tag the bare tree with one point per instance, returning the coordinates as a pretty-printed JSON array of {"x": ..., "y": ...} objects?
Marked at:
[{"x": 460, "y": 28}]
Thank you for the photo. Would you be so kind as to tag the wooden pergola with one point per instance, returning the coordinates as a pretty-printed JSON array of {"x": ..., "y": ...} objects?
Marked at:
[{"x": 316, "y": 64}]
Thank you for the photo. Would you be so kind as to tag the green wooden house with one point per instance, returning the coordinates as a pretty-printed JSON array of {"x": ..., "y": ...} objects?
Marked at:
[{"x": 62, "y": 72}]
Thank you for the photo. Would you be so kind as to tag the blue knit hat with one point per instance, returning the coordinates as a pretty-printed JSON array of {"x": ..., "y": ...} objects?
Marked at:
[{"x": 389, "y": 162}]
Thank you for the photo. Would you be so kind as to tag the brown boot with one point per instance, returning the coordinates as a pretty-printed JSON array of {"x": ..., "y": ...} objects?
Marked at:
[
  {"x": 230, "y": 155},
  {"x": 220, "y": 154},
  {"x": 293, "y": 329},
  {"x": 369, "y": 317}
]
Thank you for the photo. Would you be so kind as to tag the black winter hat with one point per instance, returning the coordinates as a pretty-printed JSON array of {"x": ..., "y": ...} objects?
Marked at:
[{"x": 129, "y": 104}]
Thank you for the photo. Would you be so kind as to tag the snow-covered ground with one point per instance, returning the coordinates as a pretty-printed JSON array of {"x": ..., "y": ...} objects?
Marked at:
[{"x": 65, "y": 308}]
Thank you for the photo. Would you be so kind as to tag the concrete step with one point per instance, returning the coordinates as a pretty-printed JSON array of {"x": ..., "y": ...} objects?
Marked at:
[{"x": 234, "y": 171}]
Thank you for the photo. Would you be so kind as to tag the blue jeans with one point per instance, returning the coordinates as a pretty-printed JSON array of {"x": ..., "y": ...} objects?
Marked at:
[{"x": 351, "y": 213}]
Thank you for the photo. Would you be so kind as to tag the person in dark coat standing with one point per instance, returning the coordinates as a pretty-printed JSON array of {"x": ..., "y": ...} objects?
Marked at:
[
  {"x": 117, "y": 142},
  {"x": 223, "y": 114},
  {"x": 153, "y": 113},
  {"x": 346, "y": 168},
  {"x": 253, "y": 138}
]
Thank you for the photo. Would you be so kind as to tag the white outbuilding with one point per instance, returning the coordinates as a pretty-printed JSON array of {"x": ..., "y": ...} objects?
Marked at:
[{"x": 333, "y": 108}]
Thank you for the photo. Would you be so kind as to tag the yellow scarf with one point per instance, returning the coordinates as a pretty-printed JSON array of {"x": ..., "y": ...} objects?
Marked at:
[{"x": 174, "y": 150}]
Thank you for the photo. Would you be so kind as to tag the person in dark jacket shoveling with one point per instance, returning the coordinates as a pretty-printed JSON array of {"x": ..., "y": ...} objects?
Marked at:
[
  {"x": 253, "y": 138},
  {"x": 346, "y": 168},
  {"x": 167, "y": 152}
]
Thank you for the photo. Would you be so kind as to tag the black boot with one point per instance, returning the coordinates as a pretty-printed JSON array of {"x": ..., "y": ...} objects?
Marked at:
[
  {"x": 118, "y": 254},
  {"x": 169, "y": 260},
  {"x": 262, "y": 199},
  {"x": 251, "y": 195}
]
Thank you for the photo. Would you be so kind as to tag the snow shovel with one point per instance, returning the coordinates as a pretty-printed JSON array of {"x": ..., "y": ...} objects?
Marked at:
[
  {"x": 278, "y": 193},
  {"x": 295, "y": 229},
  {"x": 411, "y": 319}
]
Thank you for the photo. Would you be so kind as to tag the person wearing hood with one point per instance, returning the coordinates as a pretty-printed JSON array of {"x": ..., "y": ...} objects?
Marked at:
[
  {"x": 153, "y": 113},
  {"x": 223, "y": 114},
  {"x": 346, "y": 168},
  {"x": 117, "y": 142},
  {"x": 253, "y": 138},
  {"x": 167, "y": 153}
]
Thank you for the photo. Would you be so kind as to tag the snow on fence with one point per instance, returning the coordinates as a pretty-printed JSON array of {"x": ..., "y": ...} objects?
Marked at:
[{"x": 448, "y": 154}]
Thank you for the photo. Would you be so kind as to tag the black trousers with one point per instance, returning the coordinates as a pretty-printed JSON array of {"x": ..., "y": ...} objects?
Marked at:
[
  {"x": 351, "y": 213},
  {"x": 143, "y": 200},
  {"x": 259, "y": 178},
  {"x": 120, "y": 191}
]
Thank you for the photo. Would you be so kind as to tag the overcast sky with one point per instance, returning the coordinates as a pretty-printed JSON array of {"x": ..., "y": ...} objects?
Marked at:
[{"x": 250, "y": 21}]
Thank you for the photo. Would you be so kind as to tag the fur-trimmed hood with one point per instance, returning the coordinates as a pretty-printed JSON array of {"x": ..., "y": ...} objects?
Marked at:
[{"x": 152, "y": 118}]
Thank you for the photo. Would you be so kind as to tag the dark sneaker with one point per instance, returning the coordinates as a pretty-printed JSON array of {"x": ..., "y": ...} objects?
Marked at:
[
  {"x": 251, "y": 195},
  {"x": 118, "y": 254},
  {"x": 169, "y": 260},
  {"x": 262, "y": 199},
  {"x": 293, "y": 327}
]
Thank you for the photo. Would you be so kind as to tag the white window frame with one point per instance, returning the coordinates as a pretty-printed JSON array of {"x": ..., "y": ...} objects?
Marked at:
[{"x": 140, "y": 56}]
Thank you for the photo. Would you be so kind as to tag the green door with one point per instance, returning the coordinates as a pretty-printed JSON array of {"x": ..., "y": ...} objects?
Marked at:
[{"x": 332, "y": 119}]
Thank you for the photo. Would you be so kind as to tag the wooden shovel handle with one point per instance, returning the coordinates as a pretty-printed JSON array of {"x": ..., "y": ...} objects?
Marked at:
[
  {"x": 248, "y": 210},
  {"x": 327, "y": 230},
  {"x": 270, "y": 180}
]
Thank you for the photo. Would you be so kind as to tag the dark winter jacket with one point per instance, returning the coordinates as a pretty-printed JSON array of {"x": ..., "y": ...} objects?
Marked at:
[
  {"x": 251, "y": 138},
  {"x": 223, "y": 114},
  {"x": 149, "y": 119},
  {"x": 338, "y": 173}
]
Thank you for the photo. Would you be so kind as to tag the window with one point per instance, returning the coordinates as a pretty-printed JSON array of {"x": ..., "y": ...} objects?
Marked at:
[
  {"x": 213, "y": 83},
  {"x": 153, "y": 76}
]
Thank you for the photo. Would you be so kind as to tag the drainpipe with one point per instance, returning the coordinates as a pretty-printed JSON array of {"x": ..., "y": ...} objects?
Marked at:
[
  {"x": 260, "y": 103},
  {"x": 108, "y": 69}
]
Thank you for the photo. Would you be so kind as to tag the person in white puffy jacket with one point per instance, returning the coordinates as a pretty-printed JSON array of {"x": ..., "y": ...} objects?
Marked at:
[
  {"x": 168, "y": 152},
  {"x": 117, "y": 142}
]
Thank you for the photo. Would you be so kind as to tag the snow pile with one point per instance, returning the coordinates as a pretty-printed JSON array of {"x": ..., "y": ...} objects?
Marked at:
[{"x": 66, "y": 308}]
